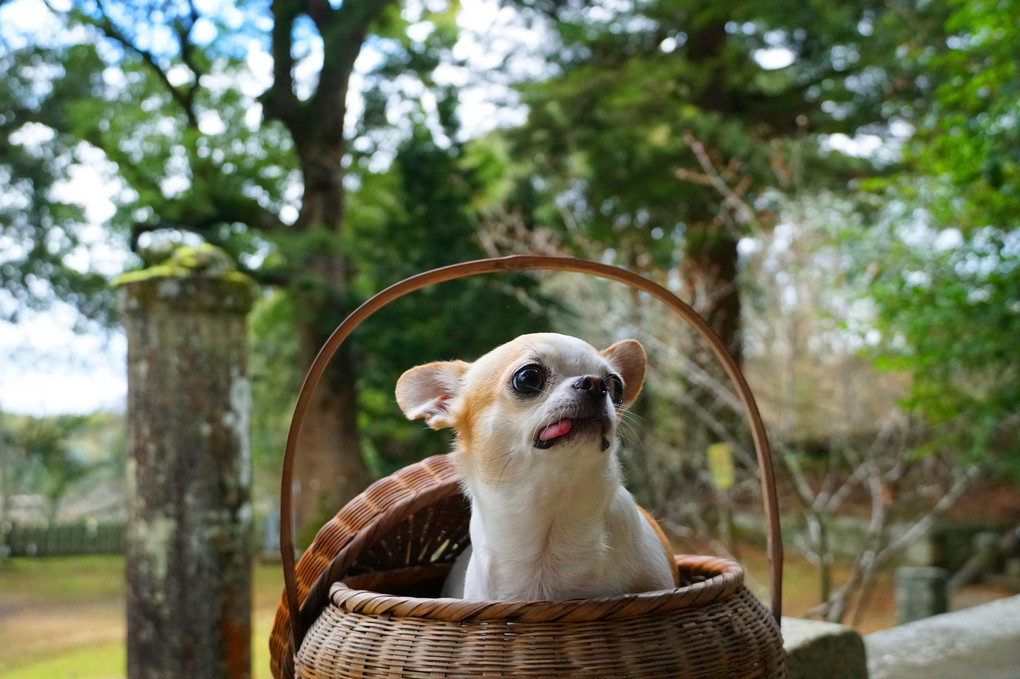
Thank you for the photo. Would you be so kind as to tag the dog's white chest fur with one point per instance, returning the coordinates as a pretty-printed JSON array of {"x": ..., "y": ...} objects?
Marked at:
[
  {"x": 536, "y": 421},
  {"x": 554, "y": 549}
]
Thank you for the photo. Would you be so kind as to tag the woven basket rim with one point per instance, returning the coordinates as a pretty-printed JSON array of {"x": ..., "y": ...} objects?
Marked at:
[{"x": 724, "y": 579}]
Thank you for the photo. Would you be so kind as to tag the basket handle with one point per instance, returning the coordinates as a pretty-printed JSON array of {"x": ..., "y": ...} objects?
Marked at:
[{"x": 517, "y": 263}]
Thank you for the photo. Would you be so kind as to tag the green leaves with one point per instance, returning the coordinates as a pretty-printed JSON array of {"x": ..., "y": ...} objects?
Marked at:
[
  {"x": 172, "y": 123},
  {"x": 663, "y": 116},
  {"x": 948, "y": 295},
  {"x": 949, "y": 312},
  {"x": 971, "y": 133},
  {"x": 41, "y": 230}
]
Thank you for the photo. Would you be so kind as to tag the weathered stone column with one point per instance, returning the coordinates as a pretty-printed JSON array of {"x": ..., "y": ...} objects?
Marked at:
[
  {"x": 189, "y": 537},
  {"x": 921, "y": 592}
]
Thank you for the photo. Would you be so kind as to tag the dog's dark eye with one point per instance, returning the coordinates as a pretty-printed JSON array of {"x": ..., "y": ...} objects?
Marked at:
[
  {"x": 529, "y": 380},
  {"x": 614, "y": 385}
]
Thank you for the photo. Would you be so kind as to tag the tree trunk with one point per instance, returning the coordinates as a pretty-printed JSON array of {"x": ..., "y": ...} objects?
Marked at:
[
  {"x": 709, "y": 271},
  {"x": 330, "y": 469},
  {"x": 709, "y": 267},
  {"x": 710, "y": 249},
  {"x": 710, "y": 277}
]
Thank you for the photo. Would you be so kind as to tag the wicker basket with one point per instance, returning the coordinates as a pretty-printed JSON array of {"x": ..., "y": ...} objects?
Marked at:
[{"x": 362, "y": 600}]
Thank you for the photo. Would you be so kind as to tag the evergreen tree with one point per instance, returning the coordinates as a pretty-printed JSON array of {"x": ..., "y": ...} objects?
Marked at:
[{"x": 667, "y": 122}]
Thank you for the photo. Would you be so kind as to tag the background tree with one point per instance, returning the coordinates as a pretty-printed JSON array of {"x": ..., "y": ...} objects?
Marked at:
[
  {"x": 666, "y": 122},
  {"x": 944, "y": 260},
  {"x": 37, "y": 456},
  {"x": 164, "y": 94},
  {"x": 419, "y": 212}
]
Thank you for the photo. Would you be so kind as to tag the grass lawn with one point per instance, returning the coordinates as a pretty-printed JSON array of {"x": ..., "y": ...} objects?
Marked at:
[{"x": 65, "y": 617}]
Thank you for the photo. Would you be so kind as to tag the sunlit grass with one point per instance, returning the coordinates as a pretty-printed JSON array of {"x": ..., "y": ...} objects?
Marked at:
[
  {"x": 27, "y": 582},
  {"x": 65, "y": 617},
  {"x": 106, "y": 661}
]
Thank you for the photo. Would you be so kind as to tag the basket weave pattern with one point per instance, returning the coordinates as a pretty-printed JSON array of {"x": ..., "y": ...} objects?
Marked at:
[
  {"x": 412, "y": 505},
  {"x": 735, "y": 638},
  {"x": 362, "y": 601},
  {"x": 401, "y": 535}
]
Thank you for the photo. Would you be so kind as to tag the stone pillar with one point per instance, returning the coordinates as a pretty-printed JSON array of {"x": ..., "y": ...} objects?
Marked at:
[
  {"x": 921, "y": 592},
  {"x": 189, "y": 537}
]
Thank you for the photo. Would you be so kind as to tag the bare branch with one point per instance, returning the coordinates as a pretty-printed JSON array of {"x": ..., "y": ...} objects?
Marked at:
[
  {"x": 960, "y": 485},
  {"x": 874, "y": 557},
  {"x": 833, "y": 502},
  {"x": 732, "y": 198},
  {"x": 718, "y": 428},
  {"x": 791, "y": 462}
]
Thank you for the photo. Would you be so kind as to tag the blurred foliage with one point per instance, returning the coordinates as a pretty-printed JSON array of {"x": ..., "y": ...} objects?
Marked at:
[
  {"x": 944, "y": 256},
  {"x": 657, "y": 131},
  {"x": 186, "y": 155},
  {"x": 968, "y": 134},
  {"x": 663, "y": 127},
  {"x": 949, "y": 311},
  {"x": 40, "y": 231},
  {"x": 664, "y": 122},
  {"x": 46, "y": 455}
]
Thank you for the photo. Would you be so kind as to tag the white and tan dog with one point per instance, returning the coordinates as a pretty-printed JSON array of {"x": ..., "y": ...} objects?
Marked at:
[{"x": 536, "y": 420}]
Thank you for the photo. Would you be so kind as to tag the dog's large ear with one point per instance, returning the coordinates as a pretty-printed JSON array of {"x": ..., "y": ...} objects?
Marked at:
[
  {"x": 427, "y": 390},
  {"x": 628, "y": 359}
]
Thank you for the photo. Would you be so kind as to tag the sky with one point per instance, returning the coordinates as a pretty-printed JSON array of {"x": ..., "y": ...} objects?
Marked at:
[{"x": 47, "y": 367}]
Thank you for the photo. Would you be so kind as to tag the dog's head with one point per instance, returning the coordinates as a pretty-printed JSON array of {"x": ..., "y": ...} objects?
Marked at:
[{"x": 538, "y": 394}]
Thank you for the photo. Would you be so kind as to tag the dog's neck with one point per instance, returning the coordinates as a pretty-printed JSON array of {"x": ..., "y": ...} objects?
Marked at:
[{"x": 541, "y": 531}]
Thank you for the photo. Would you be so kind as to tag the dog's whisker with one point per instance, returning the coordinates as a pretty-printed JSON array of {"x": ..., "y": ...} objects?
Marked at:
[{"x": 505, "y": 465}]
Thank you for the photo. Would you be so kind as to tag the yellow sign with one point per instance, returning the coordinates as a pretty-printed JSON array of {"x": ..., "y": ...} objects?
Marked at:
[{"x": 720, "y": 465}]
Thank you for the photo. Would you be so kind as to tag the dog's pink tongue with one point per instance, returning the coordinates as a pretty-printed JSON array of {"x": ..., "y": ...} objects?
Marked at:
[{"x": 556, "y": 429}]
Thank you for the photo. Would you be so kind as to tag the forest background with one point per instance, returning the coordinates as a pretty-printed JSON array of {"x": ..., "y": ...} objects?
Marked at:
[{"x": 834, "y": 186}]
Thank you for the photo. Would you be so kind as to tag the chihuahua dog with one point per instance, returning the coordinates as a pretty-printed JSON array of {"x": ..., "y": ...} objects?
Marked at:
[{"x": 535, "y": 422}]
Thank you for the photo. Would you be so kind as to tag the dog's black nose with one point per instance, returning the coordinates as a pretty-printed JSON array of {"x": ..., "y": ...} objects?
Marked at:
[{"x": 591, "y": 384}]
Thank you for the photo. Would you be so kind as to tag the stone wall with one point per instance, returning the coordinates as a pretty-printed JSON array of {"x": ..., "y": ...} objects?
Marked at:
[{"x": 982, "y": 642}]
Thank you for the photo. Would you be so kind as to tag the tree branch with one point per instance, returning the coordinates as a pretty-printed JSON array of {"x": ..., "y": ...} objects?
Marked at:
[
  {"x": 874, "y": 557},
  {"x": 343, "y": 31},
  {"x": 188, "y": 53},
  {"x": 112, "y": 31},
  {"x": 321, "y": 12},
  {"x": 733, "y": 198},
  {"x": 279, "y": 102}
]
